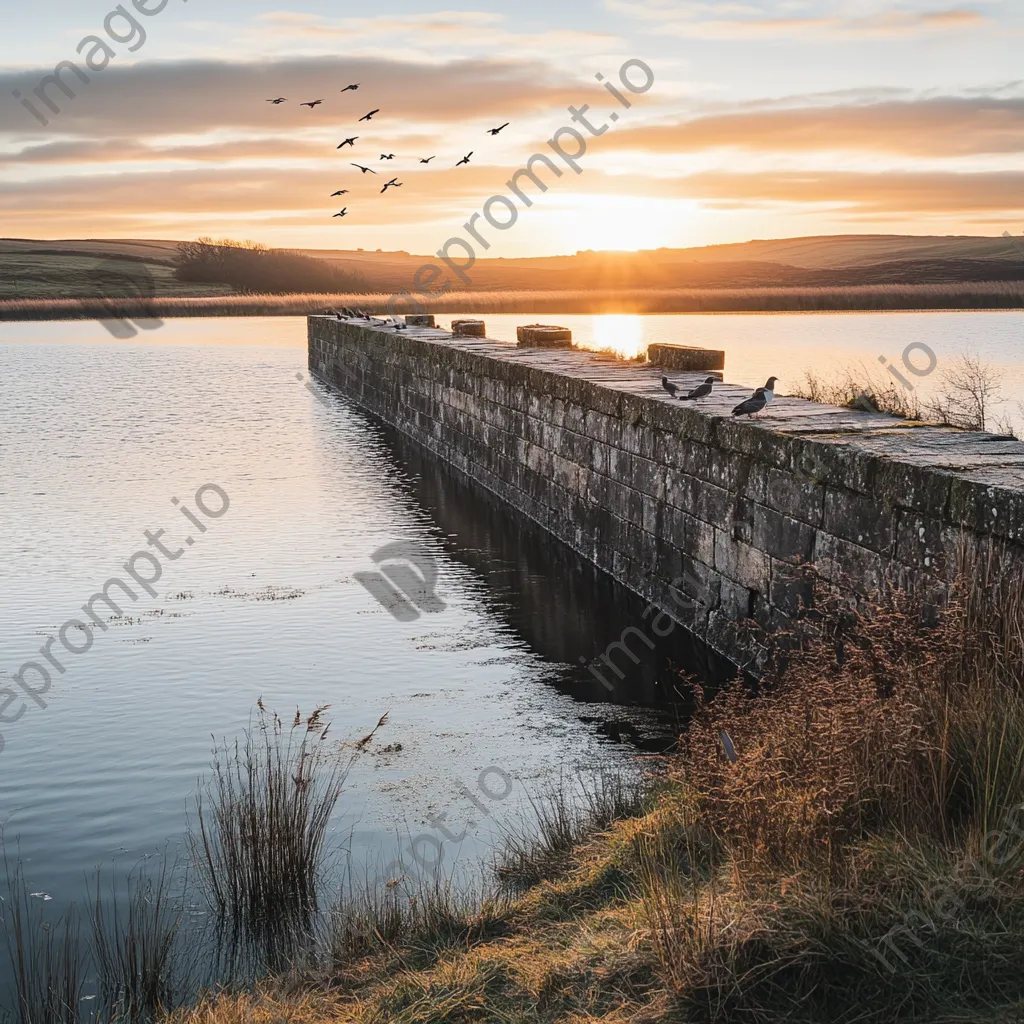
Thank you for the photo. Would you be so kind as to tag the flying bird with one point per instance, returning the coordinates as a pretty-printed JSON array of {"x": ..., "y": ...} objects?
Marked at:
[
  {"x": 311, "y": 104},
  {"x": 393, "y": 183},
  {"x": 427, "y": 161},
  {"x": 701, "y": 391},
  {"x": 465, "y": 159},
  {"x": 340, "y": 192},
  {"x": 758, "y": 401},
  {"x": 387, "y": 156},
  {"x": 365, "y": 169},
  {"x": 280, "y": 99},
  {"x": 369, "y": 116},
  {"x": 341, "y": 213},
  {"x": 494, "y": 131},
  {"x": 351, "y": 88},
  {"x": 349, "y": 142}
]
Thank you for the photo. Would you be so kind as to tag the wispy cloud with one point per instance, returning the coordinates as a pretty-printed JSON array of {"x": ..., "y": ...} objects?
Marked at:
[
  {"x": 926, "y": 128},
  {"x": 784, "y": 20}
]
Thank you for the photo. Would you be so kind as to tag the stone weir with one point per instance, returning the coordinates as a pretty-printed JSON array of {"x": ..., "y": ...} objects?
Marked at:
[{"x": 656, "y": 491}]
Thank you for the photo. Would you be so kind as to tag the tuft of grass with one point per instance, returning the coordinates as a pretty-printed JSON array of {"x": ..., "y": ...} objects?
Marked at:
[
  {"x": 540, "y": 847},
  {"x": 262, "y": 822},
  {"x": 861, "y": 389}
]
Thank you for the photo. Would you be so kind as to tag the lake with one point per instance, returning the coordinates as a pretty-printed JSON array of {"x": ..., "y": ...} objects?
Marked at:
[{"x": 276, "y": 494}]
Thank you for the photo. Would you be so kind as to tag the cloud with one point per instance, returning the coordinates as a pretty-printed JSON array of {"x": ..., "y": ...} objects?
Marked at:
[
  {"x": 889, "y": 194},
  {"x": 940, "y": 127},
  {"x": 201, "y": 95},
  {"x": 765, "y": 20}
]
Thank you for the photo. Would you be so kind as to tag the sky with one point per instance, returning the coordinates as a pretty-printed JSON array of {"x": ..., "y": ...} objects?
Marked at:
[{"x": 764, "y": 119}]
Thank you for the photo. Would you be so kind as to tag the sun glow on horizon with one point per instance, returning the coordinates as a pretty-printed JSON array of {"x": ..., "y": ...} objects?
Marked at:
[{"x": 618, "y": 223}]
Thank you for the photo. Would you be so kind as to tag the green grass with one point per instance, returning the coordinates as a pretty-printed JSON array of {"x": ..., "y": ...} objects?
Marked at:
[{"x": 26, "y": 275}]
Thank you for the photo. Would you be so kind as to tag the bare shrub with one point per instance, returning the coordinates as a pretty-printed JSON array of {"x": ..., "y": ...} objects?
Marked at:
[{"x": 967, "y": 391}]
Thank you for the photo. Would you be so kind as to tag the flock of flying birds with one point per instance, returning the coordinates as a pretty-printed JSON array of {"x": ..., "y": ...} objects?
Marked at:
[
  {"x": 757, "y": 402},
  {"x": 394, "y": 182}
]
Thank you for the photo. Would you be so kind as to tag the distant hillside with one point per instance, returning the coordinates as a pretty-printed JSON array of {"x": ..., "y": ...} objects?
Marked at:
[{"x": 61, "y": 268}]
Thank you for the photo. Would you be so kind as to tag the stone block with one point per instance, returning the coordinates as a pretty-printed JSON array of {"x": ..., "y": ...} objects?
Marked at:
[
  {"x": 783, "y": 538},
  {"x": 860, "y": 519}
]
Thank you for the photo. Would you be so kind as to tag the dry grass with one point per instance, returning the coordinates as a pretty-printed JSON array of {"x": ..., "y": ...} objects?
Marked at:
[
  {"x": 842, "y": 848},
  {"x": 861, "y": 388},
  {"x": 985, "y": 295}
]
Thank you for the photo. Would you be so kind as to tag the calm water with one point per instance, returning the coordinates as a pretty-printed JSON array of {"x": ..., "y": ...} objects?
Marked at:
[{"x": 98, "y": 437}]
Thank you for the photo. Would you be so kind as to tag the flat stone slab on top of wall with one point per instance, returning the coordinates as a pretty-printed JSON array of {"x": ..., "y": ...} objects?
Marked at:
[
  {"x": 648, "y": 488},
  {"x": 469, "y": 329},
  {"x": 543, "y": 336},
  {"x": 686, "y": 358}
]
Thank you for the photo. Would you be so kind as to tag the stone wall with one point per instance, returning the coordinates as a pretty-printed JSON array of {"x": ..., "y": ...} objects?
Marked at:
[{"x": 652, "y": 490}]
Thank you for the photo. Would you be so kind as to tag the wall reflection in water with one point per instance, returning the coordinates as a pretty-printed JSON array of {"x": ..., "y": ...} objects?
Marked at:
[{"x": 560, "y": 604}]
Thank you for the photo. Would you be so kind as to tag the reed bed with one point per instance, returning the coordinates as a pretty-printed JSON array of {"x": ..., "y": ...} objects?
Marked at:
[{"x": 984, "y": 295}]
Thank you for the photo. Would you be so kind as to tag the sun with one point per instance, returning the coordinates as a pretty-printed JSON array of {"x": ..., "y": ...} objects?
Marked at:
[{"x": 620, "y": 223}]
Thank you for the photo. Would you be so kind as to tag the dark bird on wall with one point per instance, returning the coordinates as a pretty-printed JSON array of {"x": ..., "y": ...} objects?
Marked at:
[
  {"x": 701, "y": 391},
  {"x": 427, "y": 161},
  {"x": 351, "y": 88},
  {"x": 465, "y": 159},
  {"x": 365, "y": 169},
  {"x": 669, "y": 386},
  {"x": 393, "y": 183},
  {"x": 387, "y": 156},
  {"x": 758, "y": 401},
  {"x": 494, "y": 131},
  {"x": 279, "y": 100},
  {"x": 342, "y": 213},
  {"x": 369, "y": 116},
  {"x": 311, "y": 104},
  {"x": 349, "y": 142},
  {"x": 340, "y": 192}
]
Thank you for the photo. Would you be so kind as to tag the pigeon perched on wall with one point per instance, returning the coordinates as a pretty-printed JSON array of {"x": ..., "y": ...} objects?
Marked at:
[
  {"x": 701, "y": 391},
  {"x": 758, "y": 401},
  {"x": 670, "y": 387}
]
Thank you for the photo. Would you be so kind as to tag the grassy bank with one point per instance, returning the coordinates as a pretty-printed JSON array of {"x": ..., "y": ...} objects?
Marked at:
[
  {"x": 848, "y": 845},
  {"x": 991, "y": 295}
]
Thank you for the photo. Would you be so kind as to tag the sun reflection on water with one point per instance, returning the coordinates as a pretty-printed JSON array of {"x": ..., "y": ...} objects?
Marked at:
[{"x": 621, "y": 333}]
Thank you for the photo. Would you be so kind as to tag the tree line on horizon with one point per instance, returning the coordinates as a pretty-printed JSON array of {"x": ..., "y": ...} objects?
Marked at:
[{"x": 255, "y": 269}]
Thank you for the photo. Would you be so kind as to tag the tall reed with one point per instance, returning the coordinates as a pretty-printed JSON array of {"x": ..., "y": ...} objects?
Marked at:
[
  {"x": 48, "y": 963},
  {"x": 262, "y": 820},
  {"x": 141, "y": 971}
]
